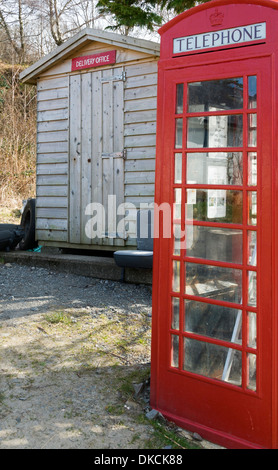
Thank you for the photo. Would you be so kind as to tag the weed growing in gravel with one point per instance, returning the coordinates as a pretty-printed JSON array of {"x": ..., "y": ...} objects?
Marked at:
[
  {"x": 164, "y": 434},
  {"x": 163, "y": 437},
  {"x": 115, "y": 409},
  {"x": 137, "y": 376},
  {"x": 8, "y": 216},
  {"x": 58, "y": 317}
]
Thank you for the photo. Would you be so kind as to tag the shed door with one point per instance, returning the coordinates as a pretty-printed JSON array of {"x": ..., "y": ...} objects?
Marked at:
[
  {"x": 214, "y": 306},
  {"x": 96, "y": 154}
]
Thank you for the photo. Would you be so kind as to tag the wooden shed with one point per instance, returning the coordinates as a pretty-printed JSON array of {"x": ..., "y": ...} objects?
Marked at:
[{"x": 96, "y": 135}]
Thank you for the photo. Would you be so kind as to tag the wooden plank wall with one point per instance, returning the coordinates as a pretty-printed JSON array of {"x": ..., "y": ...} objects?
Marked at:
[
  {"x": 52, "y": 159},
  {"x": 140, "y": 91},
  {"x": 140, "y": 136}
]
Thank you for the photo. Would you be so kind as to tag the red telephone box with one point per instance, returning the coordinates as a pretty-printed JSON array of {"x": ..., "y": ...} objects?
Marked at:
[{"x": 215, "y": 310}]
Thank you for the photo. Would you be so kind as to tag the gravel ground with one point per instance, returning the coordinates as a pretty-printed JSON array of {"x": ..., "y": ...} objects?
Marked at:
[
  {"x": 68, "y": 346},
  {"x": 74, "y": 351}
]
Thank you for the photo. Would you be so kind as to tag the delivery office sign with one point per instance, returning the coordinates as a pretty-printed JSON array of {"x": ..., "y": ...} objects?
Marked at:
[
  {"x": 224, "y": 38},
  {"x": 95, "y": 60}
]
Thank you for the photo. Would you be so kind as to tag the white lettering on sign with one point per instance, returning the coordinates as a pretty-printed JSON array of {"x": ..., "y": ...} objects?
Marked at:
[
  {"x": 90, "y": 62},
  {"x": 226, "y": 37},
  {"x": 84, "y": 62}
]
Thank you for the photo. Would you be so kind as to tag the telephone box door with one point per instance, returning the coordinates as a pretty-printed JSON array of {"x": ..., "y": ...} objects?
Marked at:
[{"x": 212, "y": 331}]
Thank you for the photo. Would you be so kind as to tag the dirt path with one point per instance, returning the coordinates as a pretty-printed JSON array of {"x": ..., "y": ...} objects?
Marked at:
[
  {"x": 67, "y": 346},
  {"x": 71, "y": 350}
]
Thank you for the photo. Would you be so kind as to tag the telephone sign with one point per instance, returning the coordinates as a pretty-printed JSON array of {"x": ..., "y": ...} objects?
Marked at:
[{"x": 226, "y": 37}]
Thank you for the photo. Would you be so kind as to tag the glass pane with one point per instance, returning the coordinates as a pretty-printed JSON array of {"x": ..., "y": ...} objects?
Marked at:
[
  {"x": 215, "y": 131},
  {"x": 175, "y": 324},
  {"x": 252, "y": 288},
  {"x": 252, "y": 330},
  {"x": 214, "y": 321},
  {"x": 252, "y": 168},
  {"x": 252, "y": 371},
  {"x": 218, "y": 244},
  {"x": 252, "y": 248},
  {"x": 175, "y": 351},
  {"x": 178, "y": 141},
  {"x": 178, "y": 168},
  {"x": 176, "y": 276},
  {"x": 252, "y": 130},
  {"x": 214, "y": 168},
  {"x": 215, "y": 95},
  {"x": 217, "y": 205},
  {"x": 177, "y": 239},
  {"x": 212, "y": 361},
  {"x": 179, "y": 98},
  {"x": 252, "y": 208},
  {"x": 177, "y": 203},
  {"x": 214, "y": 282},
  {"x": 252, "y": 92}
]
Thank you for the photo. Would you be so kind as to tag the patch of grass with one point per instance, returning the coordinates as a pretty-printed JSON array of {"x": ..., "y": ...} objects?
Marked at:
[
  {"x": 9, "y": 216},
  {"x": 58, "y": 317},
  {"x": 69, "y": 414},
  {"x": 16, "y": 214},
  {"x": 36, "y": 363},
  {"x": 164, "y": 433},
  {"x": 115, "y": 409},
  {"x": 163, "y": 436},
  {"x": 135, "y": 438},
  {"x": 136, "y": 376},
  {"x": 143, "y": 341}
]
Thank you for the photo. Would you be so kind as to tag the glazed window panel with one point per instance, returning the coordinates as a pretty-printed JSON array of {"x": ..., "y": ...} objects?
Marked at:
[
  {"x": 223, "y": 94},
  {"x": 252, "y": 130},
  {"x": 215, "y": 131},
  {"x": 214, "y": 282},
  {"x": 177, "y": 203},
  {"x": 179, "y": 98},
  {"x": 252, "y": 371},
  {"x": 217, "y": 244},
  {"x": 175, "y": 323},
  {"x": 213, "y": 361},
  {"x": 176, "y": 276},
  {"x": 216, "y": 205},
  {"x": 252, "y": 208},
  {"x": 252, "y": 248},
  {"x": 178, "y": 168},
  {"x": 175, "y": 351},
  {"x": 215, "y": 168},
  {"x": 178, "y": 239},
  {"x": 252, "y": 168},
  {"x": 178, "y": 133},
  {"x": 252, "y": 92},
  {"x": 215, "y": 321},
  {"x": 252, "y": 330},
  {"x": 252, "y": 288},
  {"x": 214, "y": 318}
]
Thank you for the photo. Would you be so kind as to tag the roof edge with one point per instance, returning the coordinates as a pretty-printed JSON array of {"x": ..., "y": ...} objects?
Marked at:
[{"x": 29, "y": 75}]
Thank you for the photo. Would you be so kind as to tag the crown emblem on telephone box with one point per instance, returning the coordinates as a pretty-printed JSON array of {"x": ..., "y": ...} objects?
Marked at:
[{"x": 216, "y": 18}]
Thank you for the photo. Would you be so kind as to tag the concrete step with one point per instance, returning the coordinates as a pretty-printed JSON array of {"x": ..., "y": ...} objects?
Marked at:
[{"x": 100, "y": 267}]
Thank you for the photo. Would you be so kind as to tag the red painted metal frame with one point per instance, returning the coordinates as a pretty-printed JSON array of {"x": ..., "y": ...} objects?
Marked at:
[{"x": 230, "y": 415}]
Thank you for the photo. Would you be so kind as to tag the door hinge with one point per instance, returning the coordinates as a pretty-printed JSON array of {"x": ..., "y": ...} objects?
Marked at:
[
  {"x": 122, "y": 154},
  {"x": 115, "y": 77}
]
